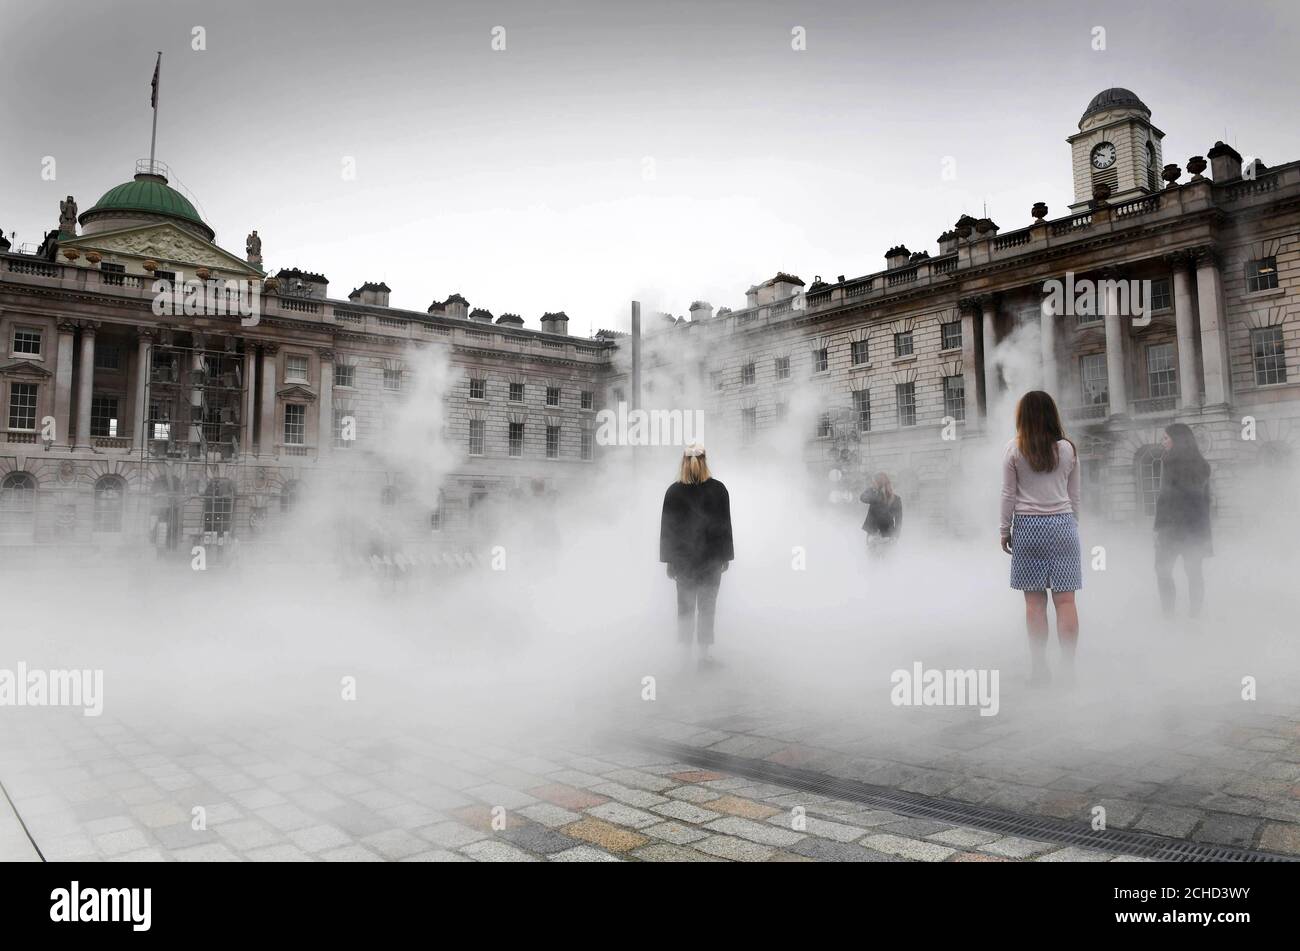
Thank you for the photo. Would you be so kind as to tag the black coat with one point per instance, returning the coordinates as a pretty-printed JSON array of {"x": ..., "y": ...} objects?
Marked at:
[
  {"x": 695, "y": 530},
  {"x": 883, "y": 518},
  {"x": 1183, "y": 505}
]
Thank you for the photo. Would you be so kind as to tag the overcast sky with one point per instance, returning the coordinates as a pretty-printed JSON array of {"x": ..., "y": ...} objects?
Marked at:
[{"x": 666, "y": 151}]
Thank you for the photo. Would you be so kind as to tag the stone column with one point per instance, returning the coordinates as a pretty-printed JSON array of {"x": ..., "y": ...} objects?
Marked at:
[
  {"x": 196, "y": 391},
  {"x": 325, "y": 421},
  {"x": 1116, "y": 351},
  {"x": 1047, "y": 318},
  {"x": 1189, "y": 370},
  {"x": 992, "y": 376},
  {"x": 250, "y": 397},
  {"x": 970, "y": 374},
  {"x": 63, "y": 384},
  {"x": 1214, "y": 335},
  {"x": 143, "y": 349},
  {"x": 268, "y": 437},
  {"x": 85, "y": 383}
]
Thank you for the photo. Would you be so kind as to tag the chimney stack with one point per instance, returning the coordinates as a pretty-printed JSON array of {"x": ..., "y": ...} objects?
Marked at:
[
  {"x": 896, "y": 256},
  {"x": 701, "y": 310},
  {"x": 371, "y": 293},
  {"x": 1225, "y": 163}
]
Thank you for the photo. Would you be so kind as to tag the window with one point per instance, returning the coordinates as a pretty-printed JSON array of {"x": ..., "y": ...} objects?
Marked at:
[
  {"x": 552, "y": 442},
  {"x": 552, "y": 396},
  {"x": 588, "y": 445},
  {"x": 476, "y": 427},
  {"x": 1092, "y": 378},
  {"x": 22, "y": 406},
  {"x": 903, "y": 344},
  {"x": 290, "y": 492},
  {"x": 437, "y": 516},
  {"x": 388, "y": 496},
  {"x": 823, "y": 425},
  {"x": 393, "y": 379},
  {"x": 516, "y": 392},
  {"x": 1160, "y": 295},
  {"x": 715, "y": 379},
  {"x": 516, "y": 439},
  {"x": 345, "y": 375},
  {"x": 1267, "y": 348},
  {"x": 1261, "y": 274},
  {"x": 219, "y": 507},
  {"x": 954, "y": 397},
  {"x": 1162, "y": 378},
  {"x": 619, "y": 395},
  {"x": 26, "y": 342},
  {"x": 782, "y": 411},
  {"x": 108, "y": 357},
  {"x": 295, "y": 424},
  {"x": 103, "y": 416},
  {"x": 112, "y": 273},
  {"x": 950, "y": 335},
  {"x": 295, "y": 368},
  {"x": 1150, "y": 470},
  {"x": 341, "y": 436},
  {"x": 821, "y": 360},
  {"x": 862, "y": 408},
  {"x": 782, "y": 367},
  {"x": 109, "y": 491},
  {"x": 1153, "y": 173},
  {"x": 17, "y": 504},
  {"x": 588, "y": 399},
  {"x": 169, "y": 276},
  {"x": 905, "y": 394},
  {"x": 160, "y": 421},
  {"x": 748, "y": 425},
  {"x": 747, "y": 374},
  {"x": 859, "y": 352},
  {"x": 477, "y": 388}
]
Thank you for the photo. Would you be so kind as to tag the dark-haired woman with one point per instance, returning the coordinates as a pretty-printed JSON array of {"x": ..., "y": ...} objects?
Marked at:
[
  {"x": 1040, "y": 527},
  {"x": 1182, "y": 517}
]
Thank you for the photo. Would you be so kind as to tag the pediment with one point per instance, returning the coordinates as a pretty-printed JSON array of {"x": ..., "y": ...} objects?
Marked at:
[
  {"x": 25, "y": 368},
  {"x": 169, "y": 245},
  {"x": 296, "y": 392}
]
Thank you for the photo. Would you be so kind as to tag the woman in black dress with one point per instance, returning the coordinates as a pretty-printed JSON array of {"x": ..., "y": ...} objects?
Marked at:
[
  {"x": 1182, "y": 517},
  {"x": 695, "y": 543}
]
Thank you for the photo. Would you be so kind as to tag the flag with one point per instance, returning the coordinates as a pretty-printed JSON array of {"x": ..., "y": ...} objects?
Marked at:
[{"x": 153, "y": 96}]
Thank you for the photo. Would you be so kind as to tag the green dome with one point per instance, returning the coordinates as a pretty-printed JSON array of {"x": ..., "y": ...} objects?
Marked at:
[{"x": 150, "y": 195}]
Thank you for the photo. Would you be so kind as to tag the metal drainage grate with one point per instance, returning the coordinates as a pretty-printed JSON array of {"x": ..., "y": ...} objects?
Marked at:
[{"x": 916, "y": 806}]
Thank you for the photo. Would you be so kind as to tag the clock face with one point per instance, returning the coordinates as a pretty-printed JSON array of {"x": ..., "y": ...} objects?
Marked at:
[{"x": 1103, "y": 155}]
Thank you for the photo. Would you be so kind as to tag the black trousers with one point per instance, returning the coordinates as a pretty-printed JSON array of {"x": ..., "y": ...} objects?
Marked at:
[
  {"x": 697, "y": 597},
  {"x": 1167, "y": 552}
]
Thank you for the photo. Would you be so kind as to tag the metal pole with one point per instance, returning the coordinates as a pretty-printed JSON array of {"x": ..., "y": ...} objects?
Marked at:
[{"x": 153, "y": 139}]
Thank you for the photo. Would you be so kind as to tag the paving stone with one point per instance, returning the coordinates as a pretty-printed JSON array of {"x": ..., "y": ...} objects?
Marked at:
[
  {"x": 760, "y": 832},
  {"x": 1226, "y": 829},
  {"x": 395, "y": 843},
  {"x": 695, "y": 794},
  {"x": 140, "y": 855},
  {"x": 318, "y": 838},
  {"x": 214, "y": 852},
  {"x": 622, "y": 815},
  {"x": 451, "y": 835},
  {"x": 744, "y": 808},
  {"x": 538, "y": 839},
  {"x": 638, "y": 779},
  {"x": 736, "y": 850},
  {"x": 868, "y": 819},
  {"x": 549, "y": 815},
  {"x": 977, "y": 857},
  {"x": 664, "y": 852},
  {"x": 685, "y": 811},
  {"x": 286, "y": 817},
  {"x": 1015, "y": 847},
  {"x": 583, "y": 853},
  {"x": 1076, "y": 854},
  {"x": 278, "y": 853},
  {"x": 248, "y": 834},
  {"x": 639, "y": 798},
  {"x": 437, "y": 855},
  {"x": 1167, "y": 820},
  {"x": 828, "y": 850},
  {"x": 907, "y": 848},
  {"x": 568, "y": 797},
  {"x": 1283, "y": 837},
  {"x": 675, "y": 832},
  {"x": 916, "y": 828},
  {"x": 492, "y": 850},
  {"x": 696, "y": 776},
  {"x": 605, "y": 835},
  {"x": 964, "y": 838},
  {"x": 117, "y": 843},
  {"x": 350, "y": 853}
]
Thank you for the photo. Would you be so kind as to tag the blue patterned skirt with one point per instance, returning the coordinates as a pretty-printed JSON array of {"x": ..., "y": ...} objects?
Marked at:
[{"x": 1045, "y": 553}]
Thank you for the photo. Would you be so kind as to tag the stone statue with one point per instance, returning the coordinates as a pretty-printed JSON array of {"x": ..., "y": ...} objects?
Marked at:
[
  {"x": 68, "y": 215},
  {"x": 253, "y": 246}
]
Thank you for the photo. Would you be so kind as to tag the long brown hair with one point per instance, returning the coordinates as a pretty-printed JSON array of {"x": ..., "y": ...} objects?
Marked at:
[
  {"x": 1038, "y": 430},
  {"x": 695, "y": 468}
]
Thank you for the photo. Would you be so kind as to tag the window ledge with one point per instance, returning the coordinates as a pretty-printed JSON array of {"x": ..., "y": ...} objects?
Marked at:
[
  {"x": 1263, "y": 295},
  {"x": 911, "y": 358}
]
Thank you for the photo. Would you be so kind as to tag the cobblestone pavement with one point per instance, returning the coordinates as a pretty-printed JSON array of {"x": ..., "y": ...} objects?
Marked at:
[{"x": 102, "y": 789}]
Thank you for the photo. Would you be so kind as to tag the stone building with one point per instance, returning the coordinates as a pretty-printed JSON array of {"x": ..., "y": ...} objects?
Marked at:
[
  {"x": 890, "y": 356},
  {"x": 134, "y": 417},
  {"x": 124, "y": 424}
]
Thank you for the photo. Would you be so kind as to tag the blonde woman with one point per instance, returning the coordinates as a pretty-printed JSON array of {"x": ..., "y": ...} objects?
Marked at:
[
  {"x": 695, "y": 543},
  {"x": 1040, "y": 527}
]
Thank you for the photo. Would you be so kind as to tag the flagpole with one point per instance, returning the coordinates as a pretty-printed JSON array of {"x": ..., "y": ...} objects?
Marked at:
[{"x": 153, "y": 139}]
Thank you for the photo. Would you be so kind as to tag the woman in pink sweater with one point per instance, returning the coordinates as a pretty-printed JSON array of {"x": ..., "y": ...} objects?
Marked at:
[{"x": 1040, "y": 527}]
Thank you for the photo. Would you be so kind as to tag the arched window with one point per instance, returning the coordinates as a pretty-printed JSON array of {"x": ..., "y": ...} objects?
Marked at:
[
  {"x": 290, "y": 493},
  {"x": 219, "y": 507},
  {"x": 1153, "y": 173},
  {"x": 110, "y": 491},
  {"x": 1150, "y": 470},
  {"x": 17, "y": 504}
]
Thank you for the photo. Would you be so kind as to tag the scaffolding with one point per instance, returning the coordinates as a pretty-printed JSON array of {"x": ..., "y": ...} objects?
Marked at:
[{"x": 194, "y": 422}]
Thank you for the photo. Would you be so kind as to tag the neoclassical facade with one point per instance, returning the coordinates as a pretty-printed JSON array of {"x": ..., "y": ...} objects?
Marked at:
[{"x": 125, "y": 426}]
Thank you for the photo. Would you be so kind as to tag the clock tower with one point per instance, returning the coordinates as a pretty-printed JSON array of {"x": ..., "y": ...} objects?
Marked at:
[{"x": 1116, "y": 145}]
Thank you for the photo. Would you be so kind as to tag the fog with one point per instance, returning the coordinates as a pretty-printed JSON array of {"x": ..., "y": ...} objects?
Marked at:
[{"x": 549, "y": 635}]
